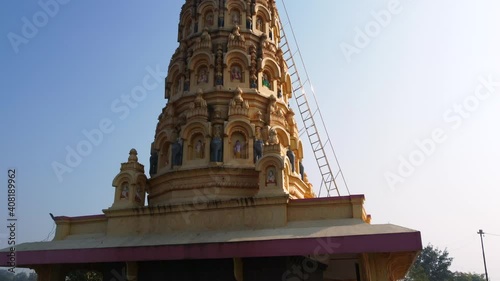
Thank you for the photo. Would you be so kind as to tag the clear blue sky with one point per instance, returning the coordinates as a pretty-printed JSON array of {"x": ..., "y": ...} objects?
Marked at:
[{"x": 407, "y": 82}]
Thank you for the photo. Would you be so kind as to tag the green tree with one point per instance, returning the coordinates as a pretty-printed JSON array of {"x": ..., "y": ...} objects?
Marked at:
[
  {"x": 461, "y": 276},
  {"x": 431, "y": 265}
]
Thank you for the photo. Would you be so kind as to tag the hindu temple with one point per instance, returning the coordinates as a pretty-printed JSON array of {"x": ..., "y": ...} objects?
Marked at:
[{"x": 226, "y": 196}]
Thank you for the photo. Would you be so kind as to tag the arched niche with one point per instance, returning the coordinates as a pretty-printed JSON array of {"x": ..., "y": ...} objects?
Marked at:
[
  {"x": 235, "y": 17},
  {"x": 206, "y": 10},
  {"x": 239, "y": 125},
  {"x": 272, "y": 66},
  {"x": 173, "y": 70},
  {"x": 187, "y": 29},
  {"x": 236, "y": 4},
  {"x": 177, "y": 85},
  {"x": 195, "y": 127},
  {"x": 164, "y": 155},
  {"x": 264, "y": 12},
  {"x": 277, "y": 32},
  {"x": 186, "y": 14},
  {"x": 139, "y": 190},
  {"x": 162, "y": 145},
  {"x": 262, "y": 19},
  {"x": 196, "y": 145},
  {"x": 260, "y": 24},
  {"x": 130, "y": 189},
  {"x": 201, "y": 71},
  {"x": 283, "y": 136},
  {"x": 239, "y": 141},
  {"x": 269, "y": 75},
  {"x": 271, "y": 174},
  {"x": 237, "y": 54},
  {"x": 208, "y": 19},
  {"x": 207, "y": 4},
  {"x": 236, "y": 59},
  {"x": 175, "y": 79},
  {"x": 200, "y": 57},
  {"x": 236, "y": 13}
]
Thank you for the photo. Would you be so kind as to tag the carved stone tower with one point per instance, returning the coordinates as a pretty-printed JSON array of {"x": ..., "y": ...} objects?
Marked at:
[{"x": 227, "y": 130}]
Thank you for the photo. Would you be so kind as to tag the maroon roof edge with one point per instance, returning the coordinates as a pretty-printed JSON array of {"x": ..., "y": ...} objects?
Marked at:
[{"x": 375, "y": 243}]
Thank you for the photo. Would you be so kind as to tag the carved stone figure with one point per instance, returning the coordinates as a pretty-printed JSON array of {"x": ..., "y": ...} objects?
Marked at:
[
  {"x": 259, "y": 24},
  {"x": 203, "y": 76},
  {"x": 273, "y": 136},
  {"x": 301, "y": 170},
  {"x": 249, "y": 23},
  {"x": 198, "y": 148},
  {"x": 258, "y": 148},
  {"x": 235, "y": 73},
  {"x": 138, "y": 197},
  {"x": 236, "y": 35},
  {"x": 291, "y": 157},
  {"x": 221, "y": 21},
  {"x": 124, "y": 192},
  {"x": 237, "y": 149},
  {"x": 265, "y": 81},
  {"x": 209, "y": 19},
  {"x": 271, "y": 176},
  {"x": 153, "y": 162},
  {"x": 236, "y": 18},
  {"x": 177, "y": 153},
  {"x": 216, "y": 146}
]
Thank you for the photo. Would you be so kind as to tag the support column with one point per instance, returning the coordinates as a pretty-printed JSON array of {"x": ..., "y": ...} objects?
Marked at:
[
  {"x": 379, "y": 267},
  {"x": 132, "y": 269},
  {"x": 238, "y": 269}
]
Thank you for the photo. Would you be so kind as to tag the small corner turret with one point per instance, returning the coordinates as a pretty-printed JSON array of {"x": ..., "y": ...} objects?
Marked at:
[{"x": 130, "y": 184}]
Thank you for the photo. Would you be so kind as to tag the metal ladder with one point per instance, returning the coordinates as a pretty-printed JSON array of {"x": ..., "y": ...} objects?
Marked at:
[{"x": 331, "y": 173}]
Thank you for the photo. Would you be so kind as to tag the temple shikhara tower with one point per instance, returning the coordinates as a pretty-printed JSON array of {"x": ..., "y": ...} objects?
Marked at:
[{"x": 226, "y": 196}]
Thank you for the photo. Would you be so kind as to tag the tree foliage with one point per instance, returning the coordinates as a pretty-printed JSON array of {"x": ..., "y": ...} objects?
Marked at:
[
  {"x": 434, "y": 265},
  {"x": 461, "y": 276}
]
